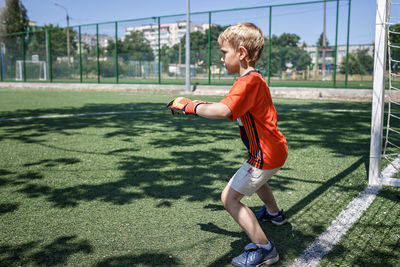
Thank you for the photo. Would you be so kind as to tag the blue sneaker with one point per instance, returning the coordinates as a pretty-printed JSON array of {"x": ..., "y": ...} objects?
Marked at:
[
  {"x": 254, "y": 256},
  {"x": 263, "y": 215}
]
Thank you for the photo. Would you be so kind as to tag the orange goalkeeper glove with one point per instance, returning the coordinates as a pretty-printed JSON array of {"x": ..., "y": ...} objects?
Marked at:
[{"x": 182, "y": 105}]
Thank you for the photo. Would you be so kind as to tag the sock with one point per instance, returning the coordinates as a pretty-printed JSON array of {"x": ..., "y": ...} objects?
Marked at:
[
  {"x": 265, "y": 246},
  {"x": 273, "y": 214}
]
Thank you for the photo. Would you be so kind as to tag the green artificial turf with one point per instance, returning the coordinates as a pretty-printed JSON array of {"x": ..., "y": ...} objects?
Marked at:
[{"x": 130, "y": 185}]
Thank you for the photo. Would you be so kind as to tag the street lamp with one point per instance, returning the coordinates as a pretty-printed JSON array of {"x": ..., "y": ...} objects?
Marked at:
[{"x": 68, "y": 45}]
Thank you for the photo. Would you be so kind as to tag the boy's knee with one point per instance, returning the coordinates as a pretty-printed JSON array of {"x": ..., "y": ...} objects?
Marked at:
[
  {"x": 225, "y": 199},
  {"x": 228, "y": 199}
]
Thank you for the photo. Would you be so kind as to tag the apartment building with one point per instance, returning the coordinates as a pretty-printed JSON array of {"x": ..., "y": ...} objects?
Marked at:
[
  {"x": 316, "y": 53},
  {"x": 170, "y": 33}
]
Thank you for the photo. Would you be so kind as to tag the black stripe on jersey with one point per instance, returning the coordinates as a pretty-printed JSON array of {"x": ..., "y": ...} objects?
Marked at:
[
  {"x": 260, "y": 156},
  {"x": 251, "y": 141},
  {"x": 244, "y": 137}
]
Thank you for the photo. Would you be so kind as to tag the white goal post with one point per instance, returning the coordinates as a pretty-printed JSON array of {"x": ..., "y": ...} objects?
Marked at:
[
  {"x": 37, "y": 69},
  {"x": 376, "y": 177}
]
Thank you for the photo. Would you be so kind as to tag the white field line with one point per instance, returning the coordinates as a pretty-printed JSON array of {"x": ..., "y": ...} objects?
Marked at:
[
  {"x": 345, "y": 220},
  {"x": 161, "y": 111}
]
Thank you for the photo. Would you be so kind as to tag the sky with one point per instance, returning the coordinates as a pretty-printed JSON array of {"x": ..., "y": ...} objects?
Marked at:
[{"x": 304, "y": 20}]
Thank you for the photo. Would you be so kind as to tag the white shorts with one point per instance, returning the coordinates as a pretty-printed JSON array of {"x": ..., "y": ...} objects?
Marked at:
[{"x": 248, "y": 179}]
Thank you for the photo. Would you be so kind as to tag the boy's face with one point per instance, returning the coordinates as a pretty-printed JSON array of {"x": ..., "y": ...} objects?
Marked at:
[{"x": 230, "y": 58}]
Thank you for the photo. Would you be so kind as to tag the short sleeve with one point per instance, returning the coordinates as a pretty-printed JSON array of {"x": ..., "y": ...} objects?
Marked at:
[{"x": 240, "y": 98}]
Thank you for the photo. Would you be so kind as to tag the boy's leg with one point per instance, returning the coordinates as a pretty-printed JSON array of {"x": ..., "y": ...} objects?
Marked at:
[
  {"x": 270, "y": 211},
  {"x": 266, "y": 195},
  {"x": 243, "y": 215}
]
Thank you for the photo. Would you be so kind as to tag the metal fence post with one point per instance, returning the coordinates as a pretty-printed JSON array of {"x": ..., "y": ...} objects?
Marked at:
[
  {"x": 98, "y": 53},
  {"x": 269, "y": 46},
  {"x": 80, "y": 54},
  {"x": 347, "y": 46},
  {"x": 336, "y": 37},
  {"x": 209, "y": 47},
  {"x": 50, "y": 56},
  {"x": 159, "y": 50},
  {"x": 23, "y": 57},
  {"x": 116, "y": 53}
]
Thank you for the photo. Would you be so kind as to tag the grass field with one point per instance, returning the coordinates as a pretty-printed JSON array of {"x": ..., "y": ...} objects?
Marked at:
[{"x": 123, "y": 183}]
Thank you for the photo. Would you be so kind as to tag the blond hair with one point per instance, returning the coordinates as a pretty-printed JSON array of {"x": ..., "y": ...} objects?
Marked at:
[{"x": 244, "y": 34}]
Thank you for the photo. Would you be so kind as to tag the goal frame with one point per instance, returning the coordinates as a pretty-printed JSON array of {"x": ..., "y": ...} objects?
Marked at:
[
  {"x": 19, "y": 69},
  {"x": 375, "y": 176}
]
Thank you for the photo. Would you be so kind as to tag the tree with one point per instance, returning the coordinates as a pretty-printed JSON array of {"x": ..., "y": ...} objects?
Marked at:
[
  {"x": 199, "y": 45},
  {"x": 37, "y": 41},
  {"x": 13, "y": 20},
  {"x": 134, "y": 47},
  {"x": 320, "y": 41},
  {"x": 198, "y": 49},
  {"x": 359, "y": 63},
  {"x": 13, "y": 17},
  {"x": 286, "y": 40},
  {"x": 285, "y": 51}
]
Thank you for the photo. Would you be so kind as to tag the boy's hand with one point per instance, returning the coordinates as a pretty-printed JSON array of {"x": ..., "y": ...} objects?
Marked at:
[{"x": 182, "y": 105}]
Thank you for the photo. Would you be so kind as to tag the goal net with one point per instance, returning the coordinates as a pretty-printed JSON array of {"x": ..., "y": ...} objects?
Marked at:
[
  {"x": 34, "y": 70},
  {"x": 385, "y": 137}
]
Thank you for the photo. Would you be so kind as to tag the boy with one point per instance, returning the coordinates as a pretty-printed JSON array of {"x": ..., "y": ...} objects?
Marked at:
[{"x": 249, "y": 102}]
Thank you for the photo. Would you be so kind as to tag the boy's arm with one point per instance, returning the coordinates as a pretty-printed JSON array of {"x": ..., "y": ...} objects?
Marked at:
[{"x": 213, "y": 111}]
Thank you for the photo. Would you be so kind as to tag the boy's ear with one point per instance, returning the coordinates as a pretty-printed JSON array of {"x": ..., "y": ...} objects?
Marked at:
[{"x": 243, "y": 53}]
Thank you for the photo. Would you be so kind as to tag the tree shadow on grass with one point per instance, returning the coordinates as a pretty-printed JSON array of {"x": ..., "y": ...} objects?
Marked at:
[
  {"x": 146, "y": 172},
  {"x": 145, "y": 259},
  {"x": 143, "y": 174},
  {"x": 191, "y": 178},
  {"x": 54, "y": 254},
  {"x": 8, "y": 207}
]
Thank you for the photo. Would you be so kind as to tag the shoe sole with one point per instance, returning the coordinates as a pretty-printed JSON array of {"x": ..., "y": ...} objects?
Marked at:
[{"x": 269, "y": 261}]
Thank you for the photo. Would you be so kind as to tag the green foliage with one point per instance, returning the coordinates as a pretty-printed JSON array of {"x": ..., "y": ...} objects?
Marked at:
[
  {"x": 395, "y": 38},
  {"x": 198, "y": 48},
  {"x": 134, "y": 47},
  {"x": 13, "y": 17},
  {"x": 107, "y": 68},
  {"x": 284, "y": 52},
  {"x": 60, "y": 70},
  {"x": 285, "y": 40},
  {"x": 359, "y": 63},
  {"x": 320, "y": 41},
  {"x": 58, "y": 39}
]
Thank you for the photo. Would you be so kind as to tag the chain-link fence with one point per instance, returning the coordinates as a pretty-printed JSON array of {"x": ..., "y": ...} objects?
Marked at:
[{"x": 152, "y": 50}]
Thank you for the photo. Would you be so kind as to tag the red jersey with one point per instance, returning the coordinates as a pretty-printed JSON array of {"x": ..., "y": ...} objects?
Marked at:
[{"x": 251, "y": 104}]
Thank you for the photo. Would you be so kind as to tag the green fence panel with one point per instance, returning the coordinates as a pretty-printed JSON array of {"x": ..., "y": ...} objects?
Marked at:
[
  {"x": 137, "y": 51},
  {"x": 173, "y": 47},
  {"x": 106, "y": 47},
  {"x": 36, "y": 66},
  {"x": 63, "y": 51},
  {"x": 88, "y": 53},
  {"x": 152, "y": 50},
  {"x": 12, "y": 57}
]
